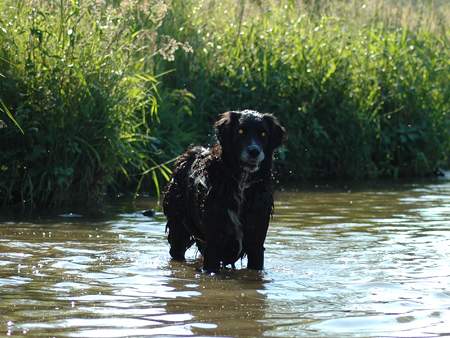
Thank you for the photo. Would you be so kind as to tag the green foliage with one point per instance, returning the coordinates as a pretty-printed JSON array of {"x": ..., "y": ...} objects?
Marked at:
[
  {"x": 78, "y": 79},
  {"x": 362, "y": 87},
  {"x": 362, "y": 95}
]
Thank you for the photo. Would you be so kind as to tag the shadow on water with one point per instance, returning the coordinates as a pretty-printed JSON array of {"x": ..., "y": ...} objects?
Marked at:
[
  {"x": 340, "y": 262},
  {"x": 230, "y": 304}
]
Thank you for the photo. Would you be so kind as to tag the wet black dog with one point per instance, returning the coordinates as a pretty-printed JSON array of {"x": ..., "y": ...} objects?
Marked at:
[{"x": 221, "y": 197}]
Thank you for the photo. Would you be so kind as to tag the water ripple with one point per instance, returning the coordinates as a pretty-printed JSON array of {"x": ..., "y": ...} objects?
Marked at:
[{"x": 353, "y": 263}]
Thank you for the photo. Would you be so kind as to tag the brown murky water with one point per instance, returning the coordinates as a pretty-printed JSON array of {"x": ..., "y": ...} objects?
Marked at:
[{"x": 371, "y": 262}]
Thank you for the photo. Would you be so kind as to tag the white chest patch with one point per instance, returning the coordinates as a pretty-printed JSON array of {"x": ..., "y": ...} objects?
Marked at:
[
  {"x": 237, "y": 228},
  {"x": 200, "y": 180},
  {"x": 236, "y": 214},
  {"x": 234, "y": 218}
]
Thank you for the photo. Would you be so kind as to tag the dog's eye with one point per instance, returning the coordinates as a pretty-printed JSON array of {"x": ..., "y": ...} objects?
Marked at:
[
  {"x": 263, "y": 134},
  {"x": 241, "y": 131}
]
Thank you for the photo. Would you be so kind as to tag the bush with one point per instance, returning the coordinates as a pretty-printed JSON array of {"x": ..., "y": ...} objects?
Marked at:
[
  {"x": 93, "y": 95},
  {"x": 78, "y": 78},
  {"x": 362, "y": 91}
]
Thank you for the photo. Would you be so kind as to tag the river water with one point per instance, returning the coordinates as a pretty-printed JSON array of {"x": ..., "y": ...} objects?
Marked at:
[{"x": 366, "y": 262}]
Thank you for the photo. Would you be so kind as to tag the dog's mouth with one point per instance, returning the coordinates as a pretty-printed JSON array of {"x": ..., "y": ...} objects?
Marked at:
[
  {"x": 250, "y": 161},
  {"x": 250, "y": 165}
]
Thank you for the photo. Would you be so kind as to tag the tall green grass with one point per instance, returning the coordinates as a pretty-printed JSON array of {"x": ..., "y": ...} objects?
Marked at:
[
  {"x": 78, "y": 78},
  {"x": 362, "y": 87},
  {"x": 95, "y": 94}
]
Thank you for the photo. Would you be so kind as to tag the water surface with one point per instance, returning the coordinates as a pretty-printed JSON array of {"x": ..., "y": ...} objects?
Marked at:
[{"x": 339, "y": 263}]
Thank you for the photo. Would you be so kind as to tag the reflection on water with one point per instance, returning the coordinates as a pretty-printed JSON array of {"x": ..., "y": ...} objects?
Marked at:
[{"x": 372, "y": 262}]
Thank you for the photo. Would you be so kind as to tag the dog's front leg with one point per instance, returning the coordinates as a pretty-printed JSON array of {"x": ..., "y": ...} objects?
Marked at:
[
  {"x": 254, "y": 243},
  {"x": 211, "y": 259},
  {"x": 214, "y": 216},
  {"x": 255, "y": 230}
]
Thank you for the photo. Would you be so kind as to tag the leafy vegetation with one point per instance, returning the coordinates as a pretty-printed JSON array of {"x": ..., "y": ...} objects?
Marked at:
[
  {"x": 78, "y": 78},
  {"x": 94, "y": 95},
  {"x": 364, "y": 91}
]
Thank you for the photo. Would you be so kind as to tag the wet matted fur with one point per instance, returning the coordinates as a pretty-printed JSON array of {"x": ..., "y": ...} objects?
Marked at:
[{"x": 221, "y": 197}]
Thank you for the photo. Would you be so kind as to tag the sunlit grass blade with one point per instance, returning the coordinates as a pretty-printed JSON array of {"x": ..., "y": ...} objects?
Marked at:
[{"x": 5, "y": 109}]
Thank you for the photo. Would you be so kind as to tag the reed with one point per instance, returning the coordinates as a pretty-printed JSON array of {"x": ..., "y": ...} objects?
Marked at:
[
  {"x": 77, "y": 77},
  {"x": 363, "y": 87},
  {"x": 94, "y": 95}
]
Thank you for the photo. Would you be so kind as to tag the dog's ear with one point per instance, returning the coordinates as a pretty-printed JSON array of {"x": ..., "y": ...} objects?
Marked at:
[
  {"x": 277, "y": 133},
  {"x": 224, "y": 126}
]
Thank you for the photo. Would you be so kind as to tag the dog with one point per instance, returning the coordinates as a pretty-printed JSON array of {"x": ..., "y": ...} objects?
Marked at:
[{"x": 221, "y": 197}]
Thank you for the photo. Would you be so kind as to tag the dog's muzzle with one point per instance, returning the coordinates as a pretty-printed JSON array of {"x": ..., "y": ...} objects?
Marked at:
[{"x": 252, "y": 156}]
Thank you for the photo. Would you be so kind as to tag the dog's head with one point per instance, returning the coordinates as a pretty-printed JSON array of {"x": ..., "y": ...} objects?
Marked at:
[{"x": 249, "y": 137}]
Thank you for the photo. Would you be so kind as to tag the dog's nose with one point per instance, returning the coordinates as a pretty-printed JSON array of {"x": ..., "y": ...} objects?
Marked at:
[{"x": 253, "y": 151}]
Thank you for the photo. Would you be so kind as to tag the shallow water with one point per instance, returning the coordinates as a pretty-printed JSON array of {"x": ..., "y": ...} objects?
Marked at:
[{"x": 339, "y": 263}]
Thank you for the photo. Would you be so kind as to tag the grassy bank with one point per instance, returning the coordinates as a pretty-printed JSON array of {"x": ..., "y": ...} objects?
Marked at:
[
  {"x": 77, "y": 77},
  {"x": 95, "y": 94},
  {"x": 363, "y": 87}
]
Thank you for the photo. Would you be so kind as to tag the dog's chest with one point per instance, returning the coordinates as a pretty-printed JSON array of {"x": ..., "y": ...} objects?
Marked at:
[
  {"x": 216, "y": 192},
  {"x": 236, "y": 206},
  {"x": 239, "y": 194}
]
